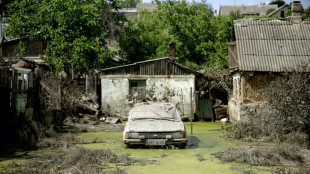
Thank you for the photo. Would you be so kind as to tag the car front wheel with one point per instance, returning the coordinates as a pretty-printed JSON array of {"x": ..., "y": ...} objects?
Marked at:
[{"x": 182, "y": 146}]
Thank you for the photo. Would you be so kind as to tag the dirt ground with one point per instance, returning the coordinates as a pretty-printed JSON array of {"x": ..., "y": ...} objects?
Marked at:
[
  {"x": 102, "y": 151},
  {"x": 89, "y": 123}
]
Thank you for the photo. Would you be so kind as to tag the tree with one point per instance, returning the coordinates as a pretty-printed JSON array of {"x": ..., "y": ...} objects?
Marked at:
[
  {"x": 73, "y": 30},
  {"x": 277, "y": 2},
  {"x": 201, "y": 37},
  {"x": 4, "y": 6}
]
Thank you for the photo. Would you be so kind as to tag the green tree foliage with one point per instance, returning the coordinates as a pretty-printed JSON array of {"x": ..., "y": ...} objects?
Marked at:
[
  {"x": 73, "y": 30},
  {"x": 129, "y": 3},
  {"x": 201, "y": 37},
  {"x": 277, "y": 2},
  {"x": 3, "y": 5}
]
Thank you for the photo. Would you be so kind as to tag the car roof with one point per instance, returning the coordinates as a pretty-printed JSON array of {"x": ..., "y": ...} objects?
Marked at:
[{"x": 153, "y": 110}]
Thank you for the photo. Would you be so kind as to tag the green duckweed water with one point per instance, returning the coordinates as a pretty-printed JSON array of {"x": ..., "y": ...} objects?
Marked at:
[{"x": 197, "y": 158}]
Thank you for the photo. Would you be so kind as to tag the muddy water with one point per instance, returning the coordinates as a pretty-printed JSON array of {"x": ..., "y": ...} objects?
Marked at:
[{"x": 196, "y": 158}]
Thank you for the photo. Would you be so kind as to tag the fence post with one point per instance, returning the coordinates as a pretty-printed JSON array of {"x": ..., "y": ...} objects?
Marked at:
[{"x": 191, "y": 97}]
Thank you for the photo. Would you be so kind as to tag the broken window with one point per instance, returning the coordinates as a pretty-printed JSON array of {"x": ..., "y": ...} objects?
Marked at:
[{"x": 137, "y": 89}]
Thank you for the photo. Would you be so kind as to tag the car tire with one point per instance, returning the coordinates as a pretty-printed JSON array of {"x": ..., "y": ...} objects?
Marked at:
[
  {"x": 128, "y": 145},
  {"x": 182, "y": 146}
]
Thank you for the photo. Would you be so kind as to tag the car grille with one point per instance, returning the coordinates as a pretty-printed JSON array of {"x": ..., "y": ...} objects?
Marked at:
[{"x": 160, "y": 135}]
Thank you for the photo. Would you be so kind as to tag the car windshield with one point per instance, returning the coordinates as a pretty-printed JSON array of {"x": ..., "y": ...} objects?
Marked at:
[{"x": 161, "y": 111}]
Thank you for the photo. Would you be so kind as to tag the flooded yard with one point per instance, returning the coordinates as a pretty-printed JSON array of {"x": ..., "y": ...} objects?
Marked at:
[
  {"x": 96, "y": 152},
  {"x": 196, "y": 158}
]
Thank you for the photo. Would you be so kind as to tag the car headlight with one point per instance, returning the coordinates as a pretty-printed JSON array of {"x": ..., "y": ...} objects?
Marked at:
[
  {"x": 177, "y": 135},
  {"x": 131, "y": 135}
]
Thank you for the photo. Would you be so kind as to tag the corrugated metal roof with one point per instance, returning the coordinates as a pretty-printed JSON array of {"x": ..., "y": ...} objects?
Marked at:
[{"x": 272, "y": 45}]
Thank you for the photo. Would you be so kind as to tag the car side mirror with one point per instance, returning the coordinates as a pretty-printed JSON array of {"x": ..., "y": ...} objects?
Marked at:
[
  {"x": 184, "y": 118},
  {"x": 124, "y": 118}
]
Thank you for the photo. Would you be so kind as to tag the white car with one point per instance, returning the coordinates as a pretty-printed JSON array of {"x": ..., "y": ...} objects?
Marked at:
[{"x": 154, "y": 124}]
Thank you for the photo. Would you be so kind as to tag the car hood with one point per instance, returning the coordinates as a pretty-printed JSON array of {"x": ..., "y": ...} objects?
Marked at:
[{"x": 155, "y": 126}]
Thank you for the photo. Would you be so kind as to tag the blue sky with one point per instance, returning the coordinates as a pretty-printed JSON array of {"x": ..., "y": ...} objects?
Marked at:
[{"x": 216, "y": 3}]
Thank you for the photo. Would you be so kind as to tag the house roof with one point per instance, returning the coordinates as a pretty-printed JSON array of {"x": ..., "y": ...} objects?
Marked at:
[
  {"x": 246, "y": 9},
  {"x": 146, "y": 6},
  {"x": 278, "y": 9},
  {"x": 272, "y": 45},
  {"x": 159, "y": 66},
  {"x": 127, "y": 10}
]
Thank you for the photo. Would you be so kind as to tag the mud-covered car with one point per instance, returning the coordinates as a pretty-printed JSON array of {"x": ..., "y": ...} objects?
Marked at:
[{"x": 154, "y": 124}]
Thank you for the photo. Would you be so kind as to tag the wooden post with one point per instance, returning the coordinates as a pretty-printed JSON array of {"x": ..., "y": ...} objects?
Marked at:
[{"x": 191, "y": 97}]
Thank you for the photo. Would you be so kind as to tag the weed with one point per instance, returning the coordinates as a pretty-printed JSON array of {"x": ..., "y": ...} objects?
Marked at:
[
  {"x": 75, "y": 160},
  {"x": 200, "y": 157},
  {"x": 263, "y": 156}
]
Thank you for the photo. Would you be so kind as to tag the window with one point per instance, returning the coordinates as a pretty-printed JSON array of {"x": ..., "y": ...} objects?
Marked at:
[
  {"x": 137, "y": 83},
  {"x": 137, "y": 88},
  {"x": 282, "y": 14}
]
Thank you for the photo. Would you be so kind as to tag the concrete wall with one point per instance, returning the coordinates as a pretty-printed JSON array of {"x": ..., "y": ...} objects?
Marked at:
[{"x": 173, "y": 89}]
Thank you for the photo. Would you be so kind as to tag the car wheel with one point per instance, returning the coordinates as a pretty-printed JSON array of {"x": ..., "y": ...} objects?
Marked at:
[
  {"x": 128, "y": 145},
  {"x": 182, "y": 146}
]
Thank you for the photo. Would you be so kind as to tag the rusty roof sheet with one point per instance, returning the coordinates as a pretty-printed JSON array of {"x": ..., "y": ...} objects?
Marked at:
[{"x": 273, "y": 45}]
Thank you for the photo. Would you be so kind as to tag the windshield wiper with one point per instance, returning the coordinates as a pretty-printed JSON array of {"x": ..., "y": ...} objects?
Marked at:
[
  {"x": 170, "y": 119},
  {"x": 146, "y": 119}
]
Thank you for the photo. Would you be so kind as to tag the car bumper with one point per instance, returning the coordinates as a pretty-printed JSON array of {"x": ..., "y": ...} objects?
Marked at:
[{"x": 167, "y": 141}]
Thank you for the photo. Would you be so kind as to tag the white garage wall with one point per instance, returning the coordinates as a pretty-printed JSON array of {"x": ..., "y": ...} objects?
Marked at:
[{"x": 174, "y": 89}]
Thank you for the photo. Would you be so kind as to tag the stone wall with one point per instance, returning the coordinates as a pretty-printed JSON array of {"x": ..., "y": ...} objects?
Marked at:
[{"x": 241, "y": 111}]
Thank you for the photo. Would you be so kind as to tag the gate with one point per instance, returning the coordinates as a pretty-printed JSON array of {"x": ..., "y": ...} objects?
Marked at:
[{"x": 205, "y": 109}]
